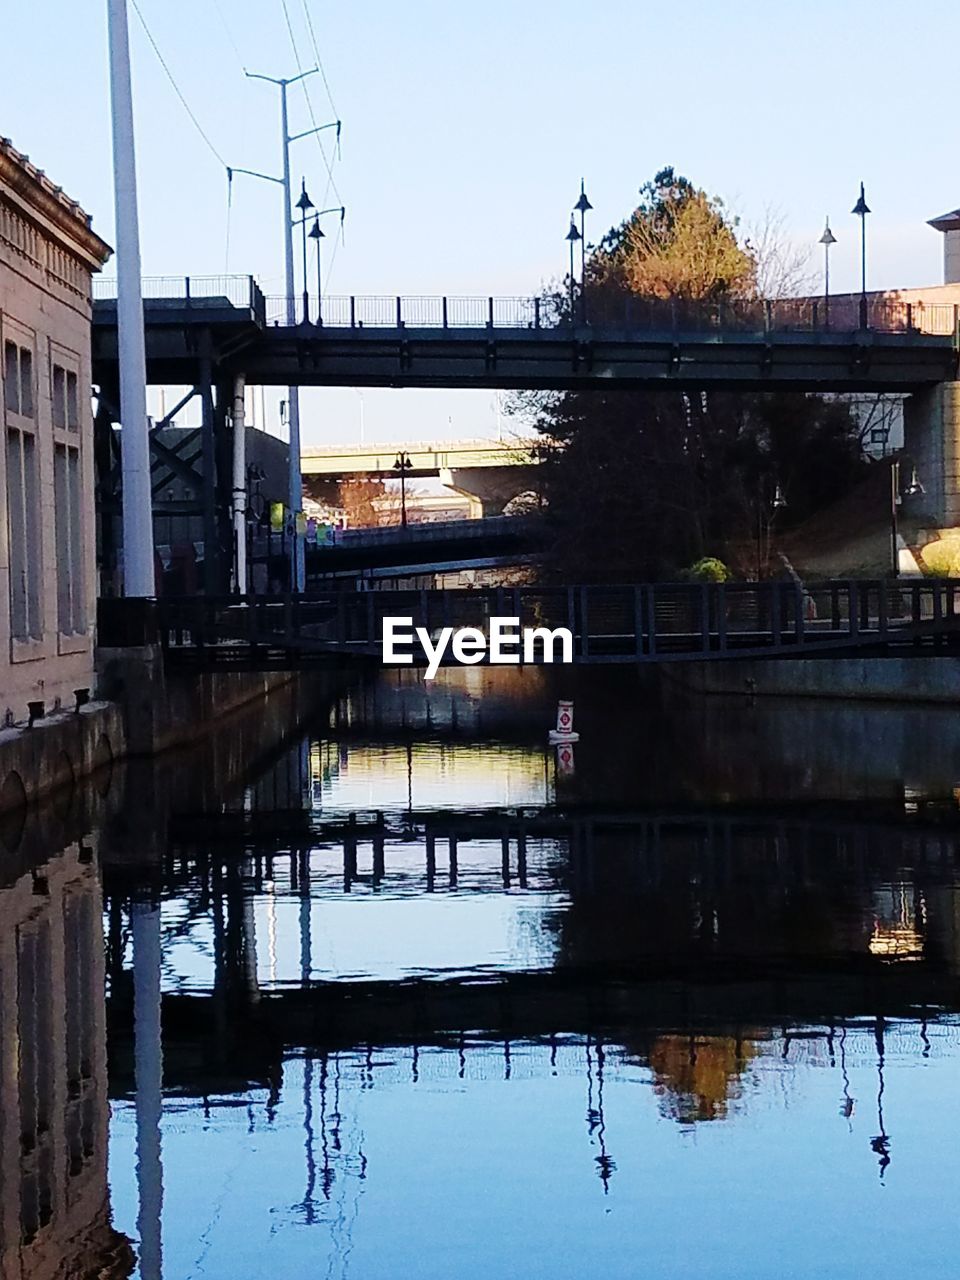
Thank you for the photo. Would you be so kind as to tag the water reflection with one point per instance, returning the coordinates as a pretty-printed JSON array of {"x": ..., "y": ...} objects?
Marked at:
[{"x": 403, "y": 999}]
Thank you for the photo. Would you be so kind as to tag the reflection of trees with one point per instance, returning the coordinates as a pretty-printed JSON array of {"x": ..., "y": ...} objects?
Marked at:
[{"x": 697, "y": 1077}]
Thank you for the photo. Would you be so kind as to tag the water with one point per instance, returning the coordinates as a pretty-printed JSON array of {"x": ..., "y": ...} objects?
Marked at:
[{"x": 435, "y": 1002}]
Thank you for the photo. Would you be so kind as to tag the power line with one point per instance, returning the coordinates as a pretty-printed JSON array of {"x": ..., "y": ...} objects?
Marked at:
[
  {"x": 226, "y": 27},
  {"x": 176, "y": 88},
  {"x": 317, "y": 58}
]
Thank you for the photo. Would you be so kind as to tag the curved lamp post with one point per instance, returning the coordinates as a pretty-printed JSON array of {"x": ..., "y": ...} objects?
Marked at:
[
  {"x": 581, "y": 207},
  {"x": 573, "y": 235}
]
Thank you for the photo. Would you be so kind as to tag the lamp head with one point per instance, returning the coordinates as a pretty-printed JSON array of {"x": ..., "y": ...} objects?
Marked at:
[
  {"x": 828, "y": 237},
  {"x": 315, "y": 233},
  {"x": 861, "y": 208},
  {"x": 583, "y": 204},
  {"x": 304, "y": 203},
  {"x": 573, "y": 234}
]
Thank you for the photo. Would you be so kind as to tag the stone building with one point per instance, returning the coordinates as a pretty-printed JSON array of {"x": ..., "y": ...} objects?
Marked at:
[{"x": 48, "y": 254}]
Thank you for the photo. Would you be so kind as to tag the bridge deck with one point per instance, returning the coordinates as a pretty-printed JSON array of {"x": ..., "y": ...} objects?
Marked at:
[{"x": 525, "y": 343}]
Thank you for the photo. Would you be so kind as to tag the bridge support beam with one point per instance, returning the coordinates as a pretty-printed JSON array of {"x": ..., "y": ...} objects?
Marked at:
[{"x": 931, "y": 433}]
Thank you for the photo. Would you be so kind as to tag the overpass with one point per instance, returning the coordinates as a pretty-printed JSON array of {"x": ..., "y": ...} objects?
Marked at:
[
  {"x": 203, "y": 333},
  {"x": 488, "y": 472}
]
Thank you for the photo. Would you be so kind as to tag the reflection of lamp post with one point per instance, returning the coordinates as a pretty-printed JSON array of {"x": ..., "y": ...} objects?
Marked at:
[
  {"x": 861, "y": 209},
  {"x": 827, "y": 239},
  {"x": 403, "y": 465},
  {"x": 573, "y": 235},
  {"x": 581, "y": 207},
  {"x": 913, "y": 490}
]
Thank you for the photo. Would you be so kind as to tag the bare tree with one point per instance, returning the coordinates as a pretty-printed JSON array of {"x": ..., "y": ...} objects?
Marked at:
[{"x": 783, "y": 268}]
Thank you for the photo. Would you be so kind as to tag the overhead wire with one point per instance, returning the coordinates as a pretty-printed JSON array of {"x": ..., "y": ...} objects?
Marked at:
[
  {"x": 318, "y": 59},
  {"x": 226, "y": 27},
  {"x": 176, "y": 88}
]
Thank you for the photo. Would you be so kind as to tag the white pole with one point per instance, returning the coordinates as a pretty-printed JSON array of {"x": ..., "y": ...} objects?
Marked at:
[
  {"x": 295, "y": 481},
  {"x": 138, "y": 562},
  {"x": 239, "y": 485}
]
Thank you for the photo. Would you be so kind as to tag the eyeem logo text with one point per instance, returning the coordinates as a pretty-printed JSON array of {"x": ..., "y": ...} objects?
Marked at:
[{"x": 505, "y": 642}]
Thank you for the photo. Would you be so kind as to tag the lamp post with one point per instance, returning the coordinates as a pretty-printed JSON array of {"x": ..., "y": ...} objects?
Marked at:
[
  {"x": 304, "y": 204},
  {"x": 317, "y": 235},
  {"x": 827, "y": 240},
  {"x": 581, "y": 207},
  {"x": 913, "y": 490},
  {"x": 573, "y": 235},
  {"x": 861, "y": 209},
  {"x": 403, "y": 465},
  {"x": 778, "y": 503}
]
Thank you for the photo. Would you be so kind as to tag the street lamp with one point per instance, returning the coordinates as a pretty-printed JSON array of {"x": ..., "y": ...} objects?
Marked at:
[
  {"x": 778, "y": 503},
  {"x": 317, "y": 235},
  {"x": 303, "y": 204},
  {"x": 581, "y": 207},
  {"x": 861, "y": 209},
  {"x": 827, "y": 239},
  {"x": 573, "y": 235},
  {"x": 403, "y": 465},
  {"x": 913, "y": 490}
]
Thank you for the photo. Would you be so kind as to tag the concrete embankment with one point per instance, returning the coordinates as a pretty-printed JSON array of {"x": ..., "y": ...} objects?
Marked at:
[
  {"x": 894, "y": 679},
  {"x": 141, "y": 711}
]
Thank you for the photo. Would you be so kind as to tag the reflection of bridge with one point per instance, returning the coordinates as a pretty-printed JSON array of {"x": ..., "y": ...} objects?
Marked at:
[{"x": 630, "y": 624}]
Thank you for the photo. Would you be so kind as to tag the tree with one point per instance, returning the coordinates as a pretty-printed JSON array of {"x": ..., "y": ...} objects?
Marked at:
[{"x": 641, "y": 484}]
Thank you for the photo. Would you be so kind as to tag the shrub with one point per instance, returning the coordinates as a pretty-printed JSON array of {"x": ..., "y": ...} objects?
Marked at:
[{"x": 709, "y": 569}]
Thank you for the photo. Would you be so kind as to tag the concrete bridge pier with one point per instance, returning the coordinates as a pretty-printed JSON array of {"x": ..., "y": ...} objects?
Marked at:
[
  {"x": 489, "y": 489},
  {"x": 931, "y": 434}
]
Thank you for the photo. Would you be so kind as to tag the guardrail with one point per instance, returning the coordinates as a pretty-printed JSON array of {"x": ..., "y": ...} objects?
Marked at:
[
  {"x": 627, "y": 313},
  {"x": 192, "y": 292},
  {"x": 628, "y": 624},
  {"x": 613, "y": 311}
]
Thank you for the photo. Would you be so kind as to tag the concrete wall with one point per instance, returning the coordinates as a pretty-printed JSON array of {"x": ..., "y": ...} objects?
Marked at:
[
  {"x": 913, "y": 680},
  {"x": 47, "y": 254},
  {"x": 931, "y": 432}
]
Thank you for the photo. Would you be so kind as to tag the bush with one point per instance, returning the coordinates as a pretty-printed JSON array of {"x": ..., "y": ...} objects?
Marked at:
[
  {"x": 709, "y": 569},
  {"x": 941, "y": 559}
]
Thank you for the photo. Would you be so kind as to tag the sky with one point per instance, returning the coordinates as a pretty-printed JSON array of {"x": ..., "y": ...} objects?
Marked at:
[{"x": 466, "y": 131}]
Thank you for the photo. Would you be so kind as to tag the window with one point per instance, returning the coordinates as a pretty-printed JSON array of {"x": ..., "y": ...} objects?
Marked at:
[
  {"x": 18, "y": 379},
  {"x": 68, "y": 517},
  {"x": 23, "y": 516},
  {"x": 66, "y": 413}
]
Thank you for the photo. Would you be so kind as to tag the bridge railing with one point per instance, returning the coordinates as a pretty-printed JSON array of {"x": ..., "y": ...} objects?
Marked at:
[
  {"x": 191, "y": 292},
  {"x": 636, "y": 623},
  {"x": 627, "y": 313}
]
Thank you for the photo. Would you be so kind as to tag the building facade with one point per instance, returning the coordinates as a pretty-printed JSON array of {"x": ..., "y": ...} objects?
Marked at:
[{"x": 48, "y": 254}]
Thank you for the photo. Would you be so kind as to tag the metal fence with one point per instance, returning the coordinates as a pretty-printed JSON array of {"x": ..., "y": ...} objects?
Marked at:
[
  {"x": 627, "y": 313},
  {"x": 608, "y": 311},
  {"x": 642, "y": 623}
]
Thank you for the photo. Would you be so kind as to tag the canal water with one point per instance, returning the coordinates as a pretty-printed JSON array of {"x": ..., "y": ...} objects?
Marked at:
[{"x": 389, "y": 987}]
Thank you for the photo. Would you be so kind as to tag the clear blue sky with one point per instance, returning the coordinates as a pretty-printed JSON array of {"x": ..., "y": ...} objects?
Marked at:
[{"x": 466, "y": 130}]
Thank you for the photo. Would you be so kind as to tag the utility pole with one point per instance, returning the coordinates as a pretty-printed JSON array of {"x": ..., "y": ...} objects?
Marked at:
[
  {"x": 295, "y": 479},
  {"x": 138, "y": 554}
]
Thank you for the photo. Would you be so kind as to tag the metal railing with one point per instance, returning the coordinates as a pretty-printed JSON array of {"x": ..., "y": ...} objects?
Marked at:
[
  {"x": 628, "y": 624},
  {"x": 627, "y": 313},
  {"x": 189, "y": 292},
  {"x": 608, "y": 311}
]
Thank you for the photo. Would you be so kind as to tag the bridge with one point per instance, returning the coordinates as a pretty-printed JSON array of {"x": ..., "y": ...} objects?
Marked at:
[
  {"x": 626, "y": 625},
  {"x": 204, "y": 333},
  {"x": 217, "y": 326}
]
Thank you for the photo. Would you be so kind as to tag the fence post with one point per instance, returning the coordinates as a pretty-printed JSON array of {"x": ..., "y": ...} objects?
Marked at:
[
  {"x": 353, "y": 312},
  {"x": 853, "y": 610},
  {"x": 584, "y": 625},
  {"x": 445, "y": 317},
  {"x": 705, "y": 617},
  {"x": 489, "y": 313},
  {"x": 638, "y": 623},
  {"x": 399, "y": 313},
  {"x": 651, "y": 593},
  {"x": 536, "y": 313}
]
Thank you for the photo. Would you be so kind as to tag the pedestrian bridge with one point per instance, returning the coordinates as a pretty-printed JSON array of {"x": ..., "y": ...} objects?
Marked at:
[{"x": 608, "y": 624}]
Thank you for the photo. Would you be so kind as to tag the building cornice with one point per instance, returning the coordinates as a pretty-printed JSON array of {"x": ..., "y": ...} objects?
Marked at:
[{"x": 46, "y": 205}]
